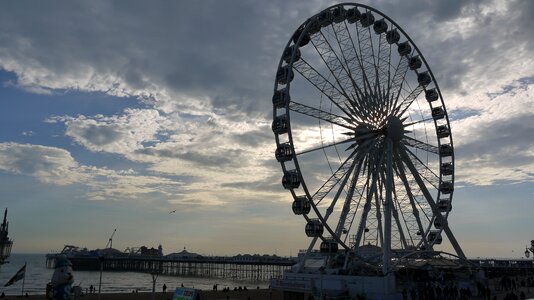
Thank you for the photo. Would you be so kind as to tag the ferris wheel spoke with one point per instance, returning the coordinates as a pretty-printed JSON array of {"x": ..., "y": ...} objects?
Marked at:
[
  {"x": 330, "y": 208},
  {"x": 384, "y": 70},
  {"x": 367, "y": 55},
  {"x": 354, "y": 207},
  {"x": 408, "y": 141},
  {"x": 398, "y": 217},
  {"x": 353, "y": 65},
  {"x": 369, "y": 196},
  {"x": 388, "y": 205},
  {"x": 415, "y": 212},
  {"x": 429, "y": 175},
  {"x": 432, "y": 203},
  {"x": 405, "y": 208},
  {"x": 405, "y": 104},
  {"x": 333, "y": 63},
  {"x": 322, "y": 147},
  {"x": 392, "y": 200},
  {"x": 348, "y": 200},
  {"x": 371, "y": 69},
  {"x": 323, "y": 85},
  {"x": 417, "y": 122},
  {"x": 342, "y": 172},
  {"x": 397, "y": 83},
  {"x": 375, "y": 222},
  {"x": 322, "y": 115},
  {"x": 415, "y": 191}
]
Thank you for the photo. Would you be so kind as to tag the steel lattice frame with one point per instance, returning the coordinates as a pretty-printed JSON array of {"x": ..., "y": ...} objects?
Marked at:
[{"x": 363, "y": 135}]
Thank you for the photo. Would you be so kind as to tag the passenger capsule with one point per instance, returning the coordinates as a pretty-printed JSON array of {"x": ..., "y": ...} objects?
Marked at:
[
  {"x": 314, "y": 228},
  {"x": 305, "y": 37},
  {"x": 281, "y": 98},
  {"x": 431, "y": 95},
  {"x": 424, "y": 78},
  {"x": 434, "y": 236},
  {"x": 329, "y": 246},
  {"x": 301, "y": 205},
  {"x": 283, "y": 152},
  {"x": 284, "y": 75},
  {"x": 438, "y": 113},
  {"x": 393, "y": 36},
  {"x": 291, "y": 180},
  {"x": 447, "y": 168},
  {"x": 446, "y": 187},
  {"x": 353, "y": 15},
  {"x": 325, "y": 18},
  {"x": 380, "y": 26},
  {"x": 314, "y": 27},
  {"x": 445, "y": 150},
  {"x": 339, "y": 14},
  {"x": 415, "y": 62},
  {"x": 288, "y": 52},
  {"x": 280, "y": 125},
  {"x": 444, "y": 205},
  {"x": 404, "y": 49},
  {"x": 443, "y": 131},
  {"x": 367, "y": 19}
]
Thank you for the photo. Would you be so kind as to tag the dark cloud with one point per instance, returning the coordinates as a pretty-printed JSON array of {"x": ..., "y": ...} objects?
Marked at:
[
  {"x": 502, "y": 144},
  {"x": 221, "y": 58},
  {"x": 99, "y": 135},
  {"x": 272, "y": 184},
  {"x": 223, "y": 159},
  {"x": 437, "y": 11},
  {"x": 254, "y": 138}
]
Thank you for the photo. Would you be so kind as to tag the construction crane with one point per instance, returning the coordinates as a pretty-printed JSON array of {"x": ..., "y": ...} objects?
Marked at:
[{"x": 110, "y": 241}]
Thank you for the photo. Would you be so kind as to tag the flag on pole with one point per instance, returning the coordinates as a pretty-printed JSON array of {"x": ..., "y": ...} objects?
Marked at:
[{"x": 20, "y": 274}]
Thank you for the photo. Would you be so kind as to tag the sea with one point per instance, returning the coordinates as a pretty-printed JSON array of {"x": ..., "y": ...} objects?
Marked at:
[{"x": 37, "y": 276}]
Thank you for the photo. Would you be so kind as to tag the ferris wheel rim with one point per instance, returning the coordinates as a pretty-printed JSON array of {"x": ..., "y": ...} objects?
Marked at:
[{"x": 303, "y": 28}]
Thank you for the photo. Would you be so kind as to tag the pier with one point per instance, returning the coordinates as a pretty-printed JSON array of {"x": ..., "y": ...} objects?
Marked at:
[{"x": 242, "y": 267}]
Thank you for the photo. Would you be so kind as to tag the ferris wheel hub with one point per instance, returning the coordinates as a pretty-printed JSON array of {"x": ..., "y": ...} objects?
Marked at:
[
  {"x": 394, "y": 129},
  {"x": 363, "y": 133}
]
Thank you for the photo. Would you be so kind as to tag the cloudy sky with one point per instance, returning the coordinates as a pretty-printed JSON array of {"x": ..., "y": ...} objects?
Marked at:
[{"x": 114, "y": 113}]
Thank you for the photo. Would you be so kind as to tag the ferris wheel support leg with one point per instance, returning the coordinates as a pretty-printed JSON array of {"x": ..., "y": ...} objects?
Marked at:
[
  {"x": 312, "y": 244},
  {"x": 402, "y": 175},
  {"x": 367, "y": 206},
  {"x": 432, "y": 204},
  {"x": 387, "y": 210}
]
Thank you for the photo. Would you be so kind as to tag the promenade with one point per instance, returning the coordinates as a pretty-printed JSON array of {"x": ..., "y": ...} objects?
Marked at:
[{"x": 262, "y": 294}]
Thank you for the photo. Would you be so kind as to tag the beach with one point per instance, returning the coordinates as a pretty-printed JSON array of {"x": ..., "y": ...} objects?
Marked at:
[{"x": 261, "y": 294}]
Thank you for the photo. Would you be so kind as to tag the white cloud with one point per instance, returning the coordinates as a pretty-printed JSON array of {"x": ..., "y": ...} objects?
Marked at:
[
  {"x": 497, "y": 143},
  {"x": 206, "y": 90},
  {"x": 115, "y": 134},
  {"x": 57, "y": 166},
  {"x": 49, "y": 164},
  {"x": 204, "y": 72}
]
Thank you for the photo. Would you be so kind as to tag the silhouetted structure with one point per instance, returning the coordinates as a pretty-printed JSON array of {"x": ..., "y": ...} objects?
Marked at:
[
  {"x": 184, "y": 263},
  {"x": 5, "y": 242}
]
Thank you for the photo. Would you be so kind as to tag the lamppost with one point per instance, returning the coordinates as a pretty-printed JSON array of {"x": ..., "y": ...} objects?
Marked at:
[{"x": 101, "y": 260}]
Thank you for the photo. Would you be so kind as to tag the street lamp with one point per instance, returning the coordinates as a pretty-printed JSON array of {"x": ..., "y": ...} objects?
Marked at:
[{"x": 101, "y": 260}]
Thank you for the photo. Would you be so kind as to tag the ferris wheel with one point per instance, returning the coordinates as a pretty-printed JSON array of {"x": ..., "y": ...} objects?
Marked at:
[{"x": 363, "y": 136}]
